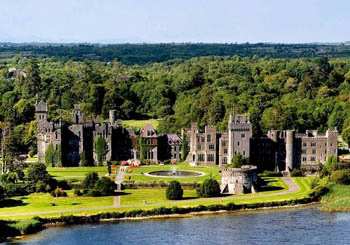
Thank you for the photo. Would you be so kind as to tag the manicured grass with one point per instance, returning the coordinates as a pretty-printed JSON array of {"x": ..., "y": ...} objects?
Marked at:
[
  {"x": 154, "y": 197},
  {"x": 139, "y": 124},
  {"x": 76, "y": 173},
  {"x": 151, "y": 196},
  {"x": 138, "y": 173},
  {"x": 43, "y": 202}
]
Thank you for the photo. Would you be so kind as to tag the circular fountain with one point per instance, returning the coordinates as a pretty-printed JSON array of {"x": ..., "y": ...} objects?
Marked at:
[{"x": 174, "y": 173}]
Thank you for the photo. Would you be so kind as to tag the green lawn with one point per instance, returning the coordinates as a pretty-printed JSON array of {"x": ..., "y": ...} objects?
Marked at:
[
  {"x": 76, "y": 173},
  {"x": 139, "y": 124},
  {"x": 43, "y": 202},
  {"x": 150, "y": 195},
  {"x": 138, "y": 173}
]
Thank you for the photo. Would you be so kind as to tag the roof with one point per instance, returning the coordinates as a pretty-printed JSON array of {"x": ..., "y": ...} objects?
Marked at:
[
  {"x": 173, "y": 138},
  {"x": 149, "y": 131}
]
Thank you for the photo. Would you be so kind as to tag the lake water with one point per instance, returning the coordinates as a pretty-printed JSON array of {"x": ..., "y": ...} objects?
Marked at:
[{"x": 292, "y": 226}]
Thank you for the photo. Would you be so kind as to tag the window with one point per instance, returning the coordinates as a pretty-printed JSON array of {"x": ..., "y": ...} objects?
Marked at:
[
  {"x": 198, "y": 147},
  {"x": 303, "y": 151},
  {"x": 243, "y": 153},
  {"x": 175, "y": 156},
  {"x": 223, "y": 143},
  {"x": 242, "y": 136},
  {"x": 312, "y": 159},
  {"x": 313, "y": 144},
  {"x": 313, "y": 151},
  {"x": 225, "y": 151},
  {"x": 194, "y": 158},
  {"x": 208, "y": 138},
  {"x": 203, "y": 139},
  {"x": 210, "y": 158},
  {"x": 224, "y": 160},
  {"x": 201, "y": 157},
  {"x": 211, "y": 147},
  {"x": 304, "y": 144},
  {"x": 304, "y": 159}
]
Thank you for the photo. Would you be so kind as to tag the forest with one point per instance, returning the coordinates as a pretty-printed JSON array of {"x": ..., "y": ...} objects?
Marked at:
[
  {"x": 279, "y": 93},
  {"x": 132, "y": 54}
]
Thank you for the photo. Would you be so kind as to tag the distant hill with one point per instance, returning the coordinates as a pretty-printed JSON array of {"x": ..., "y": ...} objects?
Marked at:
[{"x": 147, "y": 53}]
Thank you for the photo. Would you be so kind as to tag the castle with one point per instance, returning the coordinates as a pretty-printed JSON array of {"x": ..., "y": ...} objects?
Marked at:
[
  {"x": 239, "y": 180},
  {"x": 278, "y": 150},
  {"x": 76, "y": 140}
]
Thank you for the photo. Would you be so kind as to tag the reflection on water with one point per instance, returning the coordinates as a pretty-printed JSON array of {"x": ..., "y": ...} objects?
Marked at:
[{"x": 297, "y": 226}]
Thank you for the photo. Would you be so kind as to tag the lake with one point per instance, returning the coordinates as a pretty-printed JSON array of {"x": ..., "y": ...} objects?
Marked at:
[{"x": 288, "y": 226}]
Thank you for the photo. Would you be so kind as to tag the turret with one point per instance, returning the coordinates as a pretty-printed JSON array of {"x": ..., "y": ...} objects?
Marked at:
[
  {"x": 289, "y": 149},
  {"x": 41, "y": 112},
  {"x": 112, "y": 116}
]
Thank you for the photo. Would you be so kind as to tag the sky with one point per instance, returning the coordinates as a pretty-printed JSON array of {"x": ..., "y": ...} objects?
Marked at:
[{"x": 154, "y": 21}]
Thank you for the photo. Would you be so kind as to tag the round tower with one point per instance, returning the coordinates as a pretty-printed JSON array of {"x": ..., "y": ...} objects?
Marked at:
[{"x": 289, "y": 149}]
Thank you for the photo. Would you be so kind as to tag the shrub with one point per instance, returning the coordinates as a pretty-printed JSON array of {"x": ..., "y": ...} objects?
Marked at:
[
  {"x": 15, "y": 189},
  {"x": 78, "y": 193},
  {"x": 58, "y": 193},
  {"x": 296, "y": 173},
  {"x": 90, "y": 180},
  {"x": 209, "y": 188},
  {"x": 104, "y": 186},
  {"x": 36, "y": 172},
  {"x": 341, "y": 177},
  {"x": 63, "y": 185},
  {"x": 174, "y": 191},
  {"x": 40, "y": 186},
  {"x": 28, "y": 226},
  {"x": 166, "y": 162}
]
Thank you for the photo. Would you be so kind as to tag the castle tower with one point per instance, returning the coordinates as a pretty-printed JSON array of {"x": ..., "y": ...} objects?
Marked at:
[
  {"x": 230, "y": 140},
  {"x": 289, "y": 149},
  {"x": 41, "y": 112},
  {"x": 78, "y": 116},
  {"x": 240, "y": 132},
  {"x": 112, "y": 117}
]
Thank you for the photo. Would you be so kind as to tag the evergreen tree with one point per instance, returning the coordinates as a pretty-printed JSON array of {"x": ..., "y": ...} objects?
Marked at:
[{"x": 101, "y": 149}]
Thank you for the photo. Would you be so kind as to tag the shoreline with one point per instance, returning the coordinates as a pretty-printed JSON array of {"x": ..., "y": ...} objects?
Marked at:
[
  {"x": 188, "y": 215},
  {"x": 166, "y": 216}
]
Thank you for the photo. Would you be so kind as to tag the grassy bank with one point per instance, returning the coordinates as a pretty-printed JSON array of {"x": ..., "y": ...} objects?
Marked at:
[
  {"x": 76, "y": 173},
  {"x": 337, "y": 199}
]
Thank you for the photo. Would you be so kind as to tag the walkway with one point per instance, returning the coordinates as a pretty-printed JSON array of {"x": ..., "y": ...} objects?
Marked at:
[{"x": 292, "y": 188}]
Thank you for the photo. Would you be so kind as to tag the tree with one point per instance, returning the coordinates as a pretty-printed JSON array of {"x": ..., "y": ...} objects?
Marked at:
[
  {"x": 346, "y": 135},
  {"x": 50, "y": 156},
  {"x": 37, "y": 172},
  {"x": 90, "y": 180},
  {"x": 101, "y": 149},
  {"x": 32, "y": 82},
  {"x": 209, "y": 188},
  {"x": 184, "y": 148},
  {"x": 238, "y": 160},
  {"x": 104, "y": 186},
  {"x": 174, "y": 191}
]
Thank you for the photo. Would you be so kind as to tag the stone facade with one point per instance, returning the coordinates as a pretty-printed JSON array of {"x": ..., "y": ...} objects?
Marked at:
[
  {"x": 77, "y": 139},
  {"x": 278, "y": 150},
  {"x": 239, "y": 180}
]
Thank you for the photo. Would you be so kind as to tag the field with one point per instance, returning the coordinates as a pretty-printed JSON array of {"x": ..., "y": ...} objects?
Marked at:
[
  {"x": 137, "y": 174},
  {"x": 139, "y": 124}
]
